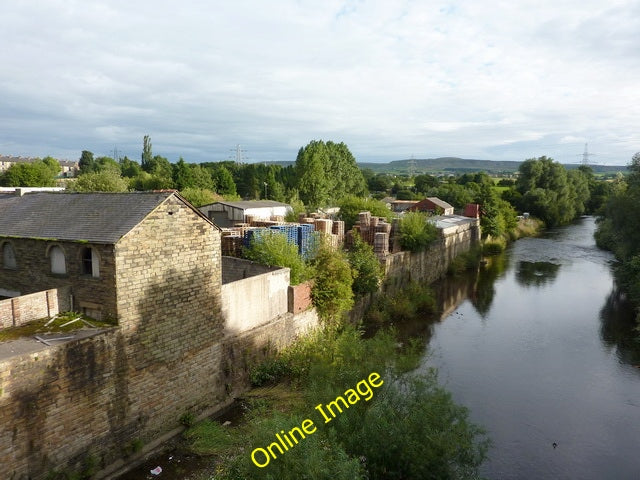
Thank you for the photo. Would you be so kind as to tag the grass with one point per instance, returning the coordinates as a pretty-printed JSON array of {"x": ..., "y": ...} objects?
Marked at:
[{"x": 45, "y": 326}]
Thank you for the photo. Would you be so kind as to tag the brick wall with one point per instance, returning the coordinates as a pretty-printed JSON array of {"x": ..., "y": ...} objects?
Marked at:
[
  {"x": 20, "y": 310},
  {"x": 33, "y": 273},
  {"x": 299, "y": 297}
]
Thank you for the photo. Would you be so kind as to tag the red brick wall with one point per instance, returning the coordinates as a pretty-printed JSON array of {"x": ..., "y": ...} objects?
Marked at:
[
  {"x": 300, "y": 297},
  {"x": 26, "y": 308}
]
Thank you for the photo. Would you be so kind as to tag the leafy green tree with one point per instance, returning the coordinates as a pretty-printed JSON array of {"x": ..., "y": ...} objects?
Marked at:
[
  {"x": 224, "y": 181},
  {"x": 380, "y": 183},
  {"x": 53, "y": 164},
  {"x": 366, "y": 268},
  {"x": 331, "y": 293},
  {"x": 108, "y": 180},
  {"x": 86, "y": 163},
  {"x": 416, "y": 232},
  {"x": 424, "y": 183},
  {"x": 129, "y": 168},
  {"x": 198, "y": 196},
  {"x": 327, "y": 172},
  {"x": 35, "y": 174},
  {"x": 549, "y": 193},
  {"x": 147, "y": 154}
]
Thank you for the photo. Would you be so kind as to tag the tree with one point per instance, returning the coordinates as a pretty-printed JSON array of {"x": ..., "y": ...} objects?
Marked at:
[
  {"x": 86, "y": 163},
  {"x": 130, "y": 168},
  {"x": 108, "y": 180},
  {"x": 53, "y": 165},
  {"x": 367, "y": 270},
  {"x": 327, "y": 172},
  {"x": 331, "y": 293},
  {"x": 199, "y": 196},
  {"x": 35, "y": 174},
  {"x": 224, "y": 181},
  {"x": 147, "y": 155},
  {"x": 425, "y": 182},
  {"x": 549, "y": 193}
]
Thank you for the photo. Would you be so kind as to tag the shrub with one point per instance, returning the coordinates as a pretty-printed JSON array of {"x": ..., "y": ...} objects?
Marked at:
[
  {"x": 416, "y": 232},
  {"x": 367, "y": 270},
  {"x": 274, "y": 249},
  {"x": 494, "y": 247},
  {"x": 331, "y": 292}
]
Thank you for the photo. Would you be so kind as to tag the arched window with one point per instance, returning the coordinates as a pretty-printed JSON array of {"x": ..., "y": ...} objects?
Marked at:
[
  {"x": 8, "y": 256},
  {"x": 58, "y": 264},
  {"x": 90, "y": 262}
]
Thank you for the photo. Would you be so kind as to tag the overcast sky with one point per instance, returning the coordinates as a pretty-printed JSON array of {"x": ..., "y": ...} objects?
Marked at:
[{"x": 498, "y": 80}]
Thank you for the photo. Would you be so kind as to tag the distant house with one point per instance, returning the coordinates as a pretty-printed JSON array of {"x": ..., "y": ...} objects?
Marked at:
[
  {"x": 432, "y": 205},
  {"x": 123, "y": 255},
  {"x": 226, "y": 214},
  {"x": 68, "y": 168},
  {"x": 402, "y": 205}
]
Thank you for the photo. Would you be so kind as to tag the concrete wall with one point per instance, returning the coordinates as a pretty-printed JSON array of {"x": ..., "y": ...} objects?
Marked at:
[
  {"x": 20, "y": 310},
  {"x": 255, "y": 300},
  {"x": 234, "y": 269}
]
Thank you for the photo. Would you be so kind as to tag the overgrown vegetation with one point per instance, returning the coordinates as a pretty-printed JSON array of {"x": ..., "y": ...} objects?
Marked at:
[
  {"x": 367, "y": 270},
  {"x": 416, "y": 232},
  {"x": 619, "y": 230},
  {"x": 409, "y": 427},
  {"x": 63, "y": 322},
  {"x": 332, "y": 292},
  {"x": 412, "y": 302},
  {"x": 274, "y": 249}
]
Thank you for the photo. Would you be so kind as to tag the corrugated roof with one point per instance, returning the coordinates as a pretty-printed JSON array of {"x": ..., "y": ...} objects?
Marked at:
[
  {"x": 92, "y": 217},
  {"x": 245, "y": 204}
]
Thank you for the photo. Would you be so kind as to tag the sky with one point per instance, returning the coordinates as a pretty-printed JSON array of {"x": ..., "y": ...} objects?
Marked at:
[{"x": 213, "y": 80}]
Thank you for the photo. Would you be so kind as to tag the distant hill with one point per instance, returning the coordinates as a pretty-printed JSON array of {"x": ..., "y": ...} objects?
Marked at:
[
  {"x": 464, "y": 165},
  {"x": 459, "y": 165}
]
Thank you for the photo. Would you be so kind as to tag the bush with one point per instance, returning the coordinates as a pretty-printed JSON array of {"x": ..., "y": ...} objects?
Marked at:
[
  {"x": 367, "y": 270},
  {"x": 274, "y": 249},
  {"x": 494, "y": 247},
  {"x": 416, "y": 232},
  {"x": 331, "y": 292}
]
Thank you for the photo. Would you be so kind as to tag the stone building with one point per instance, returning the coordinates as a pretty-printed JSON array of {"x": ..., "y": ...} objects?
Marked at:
[{"x": 111, "y": 249}]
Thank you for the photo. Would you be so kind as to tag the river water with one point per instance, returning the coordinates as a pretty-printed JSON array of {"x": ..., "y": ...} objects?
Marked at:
[{"x": 538, "y": 344}]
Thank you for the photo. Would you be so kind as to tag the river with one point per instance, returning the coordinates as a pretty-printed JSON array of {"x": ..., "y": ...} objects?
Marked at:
[{"x": 538, "y": 345}]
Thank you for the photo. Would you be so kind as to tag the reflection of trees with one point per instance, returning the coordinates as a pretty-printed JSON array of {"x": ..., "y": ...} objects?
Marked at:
[
  {"x": 617, "y": 329},
  {"x": 476, "y": 285},
  {"x": 536, "y": 273},
  {"x": 487, "y": 276}
]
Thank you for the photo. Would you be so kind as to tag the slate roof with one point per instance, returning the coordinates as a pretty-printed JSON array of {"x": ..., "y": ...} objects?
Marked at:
[
  {"x": 91, "y": 217},
  {"x": 427, "y": 202}
]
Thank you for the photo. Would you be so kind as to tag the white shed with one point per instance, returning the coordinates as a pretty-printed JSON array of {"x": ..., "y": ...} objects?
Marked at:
[{"x": 226, "y": 214}]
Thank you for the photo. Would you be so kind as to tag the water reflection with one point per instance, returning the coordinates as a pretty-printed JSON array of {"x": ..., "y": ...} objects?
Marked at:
[
  {"x": 536, "y": 274},
  {"x": 617, "y": 318}
]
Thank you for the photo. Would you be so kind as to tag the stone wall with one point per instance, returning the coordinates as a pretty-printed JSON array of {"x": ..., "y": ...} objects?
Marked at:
[
  {"x": 431, "y": 264},
  {"x": 33, "y": 274},
  {"x": 81, "y": 402},
  {"x": 20, "y": 310}
]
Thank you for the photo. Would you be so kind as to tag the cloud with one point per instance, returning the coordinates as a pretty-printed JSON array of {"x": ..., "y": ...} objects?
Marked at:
[{"x": 390, "y": 79}]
